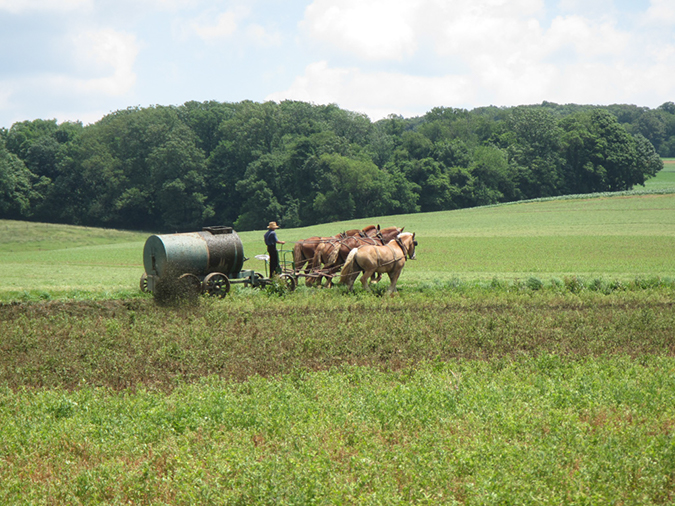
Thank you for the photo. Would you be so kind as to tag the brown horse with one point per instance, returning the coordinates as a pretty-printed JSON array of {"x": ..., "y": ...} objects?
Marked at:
[
  {"x": 332, "y": 255},
  {"x": 336, "y": 257},
  {"x": 305, "y": 251},
  {"x": 368, "y": 231},
  {"x": 389, "y": 258}
]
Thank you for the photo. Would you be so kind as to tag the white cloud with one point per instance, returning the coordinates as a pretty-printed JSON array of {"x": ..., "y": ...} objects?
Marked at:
[
  {"x": 393, "y": 29},
  {"x": 481, "y": 52},
  {"x": 107, "y": 52},
  {"x": 102, "y": 68},
  {"x": 166, "y": 5},
  {"x": 377, "y": 94},
  {"x": 225, "y": 25},
  {"x": 372, "y": 29},
  {"x": 660, "y": 12},
  {"x": 593, "y": 9},
  {"x": 213, "y": 28},
  {"x": 373, "y": 56},
  {"x": 20, "y": 6},
  {"x": 263, "y": 37},
  {"x": 588, "y": 38}
]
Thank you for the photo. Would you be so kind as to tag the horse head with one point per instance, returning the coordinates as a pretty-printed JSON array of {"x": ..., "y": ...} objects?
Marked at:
[{"x": 408, "y": 243}]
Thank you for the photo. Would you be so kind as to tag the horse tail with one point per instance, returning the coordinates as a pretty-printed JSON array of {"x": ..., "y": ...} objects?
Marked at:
[
  {"x": 318, "y": 255},
  {"x": 350, "y": 267},
  {"x": 332, "y": 258},
  {"x": 298, "y": 256}
]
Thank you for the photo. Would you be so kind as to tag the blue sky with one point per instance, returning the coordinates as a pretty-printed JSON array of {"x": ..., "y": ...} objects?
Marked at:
[{"x": 81, "y": 59}]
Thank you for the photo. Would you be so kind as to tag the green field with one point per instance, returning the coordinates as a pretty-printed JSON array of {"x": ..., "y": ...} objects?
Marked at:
[
  {"x": 665, "y": 179},
  {"x": 618, "y": 237},
  {"x": 528, "y": 359}
]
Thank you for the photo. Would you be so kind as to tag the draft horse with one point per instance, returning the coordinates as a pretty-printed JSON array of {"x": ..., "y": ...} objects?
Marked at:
[
  {"x": 304, "y": 251},
  {"x": 370, "y": 259},
  {"x": 332, "y": 255}
]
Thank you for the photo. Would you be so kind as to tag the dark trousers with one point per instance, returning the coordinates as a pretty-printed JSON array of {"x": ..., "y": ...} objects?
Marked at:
[{"x": 274, "y": 259}]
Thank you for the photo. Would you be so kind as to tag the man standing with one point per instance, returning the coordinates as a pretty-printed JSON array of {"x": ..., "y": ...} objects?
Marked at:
[{"x": 271, "y": 242}]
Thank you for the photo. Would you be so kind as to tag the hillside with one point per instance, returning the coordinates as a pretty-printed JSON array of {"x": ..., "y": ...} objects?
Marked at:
[{"x": 616, "y": 237}]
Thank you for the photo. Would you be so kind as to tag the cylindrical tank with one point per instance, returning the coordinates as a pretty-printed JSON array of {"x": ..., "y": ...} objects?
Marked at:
[{"x": 214, "y": 249}]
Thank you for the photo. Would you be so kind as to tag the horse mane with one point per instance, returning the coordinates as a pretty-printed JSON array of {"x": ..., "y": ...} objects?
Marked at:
[
  {"x": 370, "y": 229},
  {"x": 348, "y": 268}
]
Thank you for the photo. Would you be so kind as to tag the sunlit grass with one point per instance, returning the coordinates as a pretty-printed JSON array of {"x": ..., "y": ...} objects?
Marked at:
[
  {"x": 665, "y": 178},
  {"x": 619, "y": 236}
]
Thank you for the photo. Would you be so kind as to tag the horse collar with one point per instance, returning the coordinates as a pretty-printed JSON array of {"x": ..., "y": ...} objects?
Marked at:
[{"x": 402, "y": 246}]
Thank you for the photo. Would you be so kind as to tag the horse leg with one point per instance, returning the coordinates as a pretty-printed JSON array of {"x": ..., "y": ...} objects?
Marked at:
[
  {"x": 393, "y": 278},
  {"x": 329, "y": 279},
  {"x": 351, "y": 280},
  {"x": 365, "y": 278},
  {"x": 309, "y": 281}
]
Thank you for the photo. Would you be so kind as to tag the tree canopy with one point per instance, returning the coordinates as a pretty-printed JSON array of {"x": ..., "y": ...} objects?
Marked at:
[{"x": 178, "y": 168}]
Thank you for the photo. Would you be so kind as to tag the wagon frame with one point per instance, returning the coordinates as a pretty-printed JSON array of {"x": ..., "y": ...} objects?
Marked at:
[{"x": 195, "y": 278}]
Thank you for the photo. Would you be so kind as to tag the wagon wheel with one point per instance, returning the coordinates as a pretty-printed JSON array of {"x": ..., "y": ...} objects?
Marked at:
[
  {"x": 289, "y": 281},
  {"x": 144, "y": 283},
  {"x": 190, "y": 284},
  {"x": 217, "y": 284}
]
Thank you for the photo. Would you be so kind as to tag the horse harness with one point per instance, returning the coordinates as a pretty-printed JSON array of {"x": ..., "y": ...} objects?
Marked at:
[{"x": 400, "y": 244}]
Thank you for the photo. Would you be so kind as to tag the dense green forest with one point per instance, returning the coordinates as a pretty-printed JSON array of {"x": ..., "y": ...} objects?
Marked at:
[{"x": 178, "y": 168}]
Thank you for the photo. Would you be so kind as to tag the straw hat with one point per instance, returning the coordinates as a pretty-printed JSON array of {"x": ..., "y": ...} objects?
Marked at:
[{"x": 273, "y": 225}]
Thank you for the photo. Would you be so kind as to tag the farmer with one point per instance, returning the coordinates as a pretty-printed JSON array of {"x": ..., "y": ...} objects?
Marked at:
[{"x": 271, "y": 242}]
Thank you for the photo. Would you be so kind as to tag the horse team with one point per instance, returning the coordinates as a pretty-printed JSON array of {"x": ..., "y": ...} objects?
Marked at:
[{"x": 371, "y": 251}]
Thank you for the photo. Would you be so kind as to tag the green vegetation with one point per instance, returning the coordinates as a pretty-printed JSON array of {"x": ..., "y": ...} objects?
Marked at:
[
  {"x": 474, "y": 397},
  {"x": 529, "y": 431},
  {"x": 529, "y": 358},
  {"x": 612, "y": 238},
  {"x": 39, "y": 260},
  {"x": 132, "y": 344},
  {"x": 666, "y": 177},
  {"x": 175, "y": 168}
]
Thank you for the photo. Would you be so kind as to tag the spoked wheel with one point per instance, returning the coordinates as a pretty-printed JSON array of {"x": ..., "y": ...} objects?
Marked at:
[
  {"x": 289, "y": 281},
  {"x": 190, "y": 285},
  {"x": 217, "y": 284},
  {"x": 144, "y": 283}
]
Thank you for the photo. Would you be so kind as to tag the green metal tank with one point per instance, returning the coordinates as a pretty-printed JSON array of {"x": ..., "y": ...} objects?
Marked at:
[{"x": 214, "y": 249}]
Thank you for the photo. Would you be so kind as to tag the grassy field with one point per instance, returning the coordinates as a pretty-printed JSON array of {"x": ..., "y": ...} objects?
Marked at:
[
  {"x": 528, "y": 359},
  {"x": 618, "y": 237},
  {"x": 665, "y": 178}
]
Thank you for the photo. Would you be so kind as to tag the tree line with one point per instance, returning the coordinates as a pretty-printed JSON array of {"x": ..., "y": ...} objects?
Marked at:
[{"x": 176, "y": 168}]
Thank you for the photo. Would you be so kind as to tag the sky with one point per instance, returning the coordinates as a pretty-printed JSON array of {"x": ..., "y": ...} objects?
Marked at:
[{"x": 78, "y": 60}]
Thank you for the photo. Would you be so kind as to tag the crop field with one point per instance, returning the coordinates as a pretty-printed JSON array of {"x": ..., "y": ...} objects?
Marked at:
[{"x": 529, "y": 358}]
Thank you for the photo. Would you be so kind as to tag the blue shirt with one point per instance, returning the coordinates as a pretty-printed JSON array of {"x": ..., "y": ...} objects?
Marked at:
[{"x": 270, "y": 238}]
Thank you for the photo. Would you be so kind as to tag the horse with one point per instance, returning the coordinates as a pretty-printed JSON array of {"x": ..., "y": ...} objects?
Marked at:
[
  {"x": 306, "y": 251},
  {"x": 339, "y": 256},
  {"x": 389, "y": 258},
  {"x": 332, "y": 255}
]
